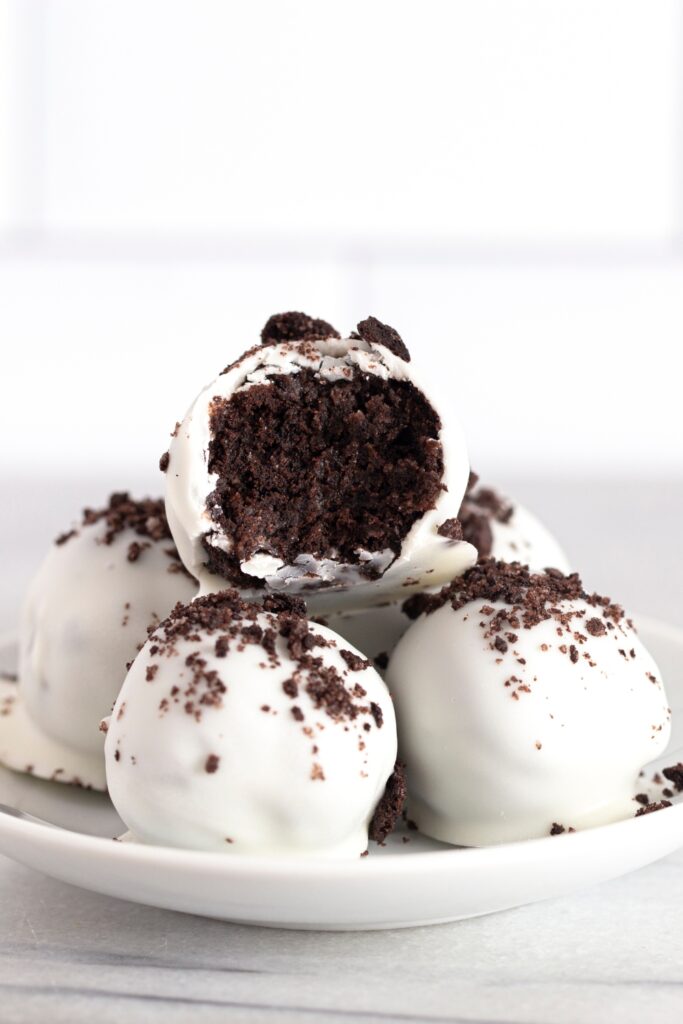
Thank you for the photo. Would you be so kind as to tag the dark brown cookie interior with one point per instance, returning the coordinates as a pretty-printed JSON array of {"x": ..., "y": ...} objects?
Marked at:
[{"x": 309, "y": 466}]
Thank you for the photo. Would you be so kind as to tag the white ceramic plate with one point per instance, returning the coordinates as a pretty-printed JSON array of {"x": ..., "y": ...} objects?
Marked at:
[{"x": 407, "y": 883}]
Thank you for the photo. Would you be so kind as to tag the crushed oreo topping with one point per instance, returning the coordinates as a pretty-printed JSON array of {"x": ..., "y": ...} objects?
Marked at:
[
  {"x": 480, "y": 506},
  {"x": 452, "y": 529},
  {"x": 557, "y": 830},
  {"x": 390, "y": 806},
  {"x": 476, "y": 530},
  {"x": 146, "y": 518},
  {"x": 531, "y": 598},
  {"x": 235, "y": 624},
  {"x": 375, "y": 332},
  {"x": 164, "y": 461},
  {"x": 296, "y": 327},
  {"x": 491, "y": 502},
  {"x": 356, "y": 662},
  {"x": 212, "y": 763},
  {"x": 651, "y": 808},
  {"x": 675, "y": 775},
  {"x": 64, "y": 537}
]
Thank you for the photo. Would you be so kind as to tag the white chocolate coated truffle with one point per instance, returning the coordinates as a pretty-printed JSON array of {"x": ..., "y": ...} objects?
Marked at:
[
  {"x": 84, "y": 618},
  {"x": 196, "y": 506},
  {"x": 507, "y": 728},
  {"x": 243, "y": 730}
]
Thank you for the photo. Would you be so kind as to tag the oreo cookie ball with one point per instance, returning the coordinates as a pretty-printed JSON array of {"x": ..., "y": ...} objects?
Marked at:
[
  {"x": 243, "y": 728},
  {"x": 84, "y": 618},
  {"x": 317, "y": 466},
  {"x": 523, "y": 702}
]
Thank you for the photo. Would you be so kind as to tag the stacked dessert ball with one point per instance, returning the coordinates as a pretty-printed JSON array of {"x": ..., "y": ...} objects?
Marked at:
[
  {"x": 326, "y": 510},
  {"x": 85, "y": 617}
]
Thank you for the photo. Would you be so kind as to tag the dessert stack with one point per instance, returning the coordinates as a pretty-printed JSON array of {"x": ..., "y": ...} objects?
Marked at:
[{"x": 329, "y": 624}]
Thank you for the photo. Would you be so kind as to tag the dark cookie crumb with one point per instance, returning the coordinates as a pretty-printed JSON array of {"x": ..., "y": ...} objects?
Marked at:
[
  {"x": 452, "y": 529},
  {"x": 382, "y": 660},
  {"x": 376, "y": 712},
  {"x": 650, "y": 808},
  {"x": 146, "y": 518},
  {"x": 390, "y": 806},
  {"x": 476, "y": 530},
  {"x": 295, "y": 327},
  {"x": 491, "y": 502},
  {"x": 355, "y": 661},
  {"x": 557, "y": 829},
  {"x": 642, "y": 798},
  {"x": 531, "y": 598},
  {"x": 675, "y": 774},
  {"x": 212, "y": 763},
  {"x": 234, "y": 622},
  {"x": 164, "y": 461},
  {"x": 135, "y": 549},
  {"x": 479, "y": 508},
  {"x": 375, "y": 332},
  {"x": 64, "y": 537}
]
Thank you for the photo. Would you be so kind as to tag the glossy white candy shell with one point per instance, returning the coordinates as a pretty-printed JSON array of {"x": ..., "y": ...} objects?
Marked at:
[
  {"x": 497, "y": 750},
  {"x": 85, "y": 615},
  {"x": 271, "y": 792}
]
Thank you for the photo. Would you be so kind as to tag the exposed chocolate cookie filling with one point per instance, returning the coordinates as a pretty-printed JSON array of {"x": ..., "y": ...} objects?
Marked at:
[{"x": 310, "y": 466}]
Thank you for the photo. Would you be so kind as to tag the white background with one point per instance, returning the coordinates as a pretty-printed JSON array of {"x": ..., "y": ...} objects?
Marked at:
[{"x": 501, "y": 181}]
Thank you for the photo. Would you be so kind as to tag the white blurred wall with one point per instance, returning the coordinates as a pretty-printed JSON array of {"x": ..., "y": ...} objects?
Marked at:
[{"x": 499, "y": 180}]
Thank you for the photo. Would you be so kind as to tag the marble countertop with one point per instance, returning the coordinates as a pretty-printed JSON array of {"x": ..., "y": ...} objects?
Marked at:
[{"x": 612, "y": 953}]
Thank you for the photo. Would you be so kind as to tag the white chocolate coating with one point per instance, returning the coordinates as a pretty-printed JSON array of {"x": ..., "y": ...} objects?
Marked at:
[
  {"x": 299, "y": 787},
  {"x": 84, "y": 617},
  {"x": 374, "y": 631},
  {"x": 525, "y": 539},
  {"x": 426, "y": 558},
  {"x": 562, "y": 742}
]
